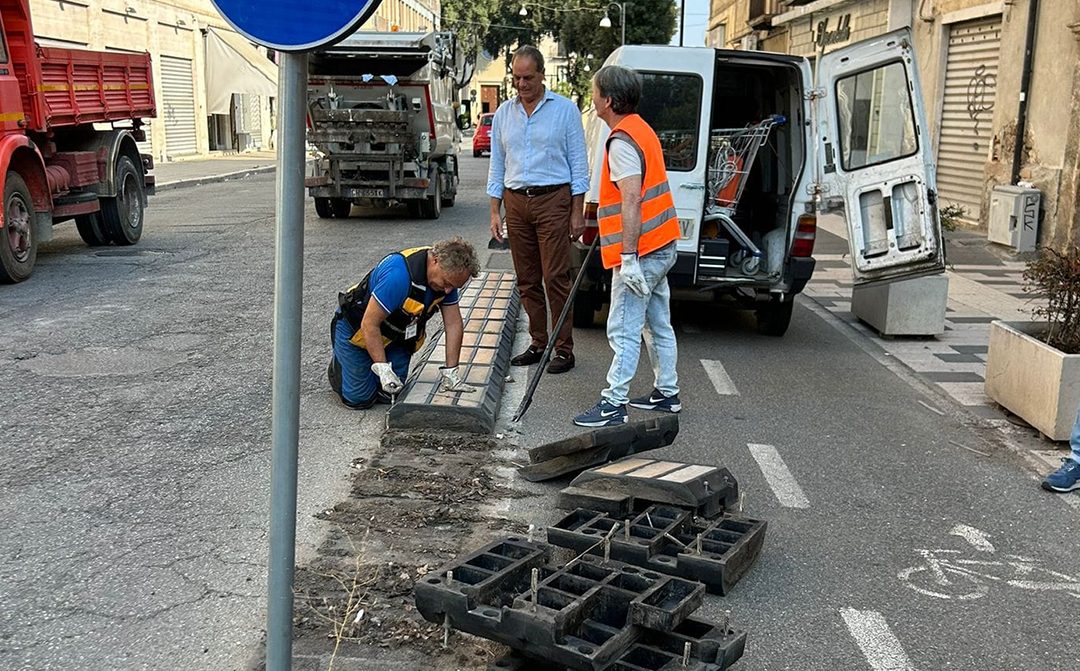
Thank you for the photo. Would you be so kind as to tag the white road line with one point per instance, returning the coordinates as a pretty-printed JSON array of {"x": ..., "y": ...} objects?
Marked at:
[
  {"x": 778, "y": 476},
  {"x": 876, "y": 640},
  {"x": 980, "y": 540},
  {"x": 720, "y": 379}
]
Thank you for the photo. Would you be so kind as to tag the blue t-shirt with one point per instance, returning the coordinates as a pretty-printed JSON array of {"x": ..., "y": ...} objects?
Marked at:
[{"x": 390, "y": 285}]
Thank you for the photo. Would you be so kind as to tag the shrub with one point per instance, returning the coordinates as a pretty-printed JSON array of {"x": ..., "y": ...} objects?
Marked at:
[
  {"x": 949, "y": 216},
  {"x": 1055, "y": 276}
]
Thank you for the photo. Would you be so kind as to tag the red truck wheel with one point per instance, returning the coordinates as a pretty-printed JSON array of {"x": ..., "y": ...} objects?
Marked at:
[
  {"x": 123, "y": 214},
  {"x": 18, "y": 249}
]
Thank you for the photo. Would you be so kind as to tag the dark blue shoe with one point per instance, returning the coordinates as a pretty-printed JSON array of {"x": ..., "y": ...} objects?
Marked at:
[
  {"x": 602, "y": 414},
  {"x": 657, "y": 401},
  {"x": 1064, "y": 479}
]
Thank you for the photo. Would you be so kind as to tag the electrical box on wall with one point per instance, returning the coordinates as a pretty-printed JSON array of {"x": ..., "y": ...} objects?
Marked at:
[{"x": 1014, "y": 217}]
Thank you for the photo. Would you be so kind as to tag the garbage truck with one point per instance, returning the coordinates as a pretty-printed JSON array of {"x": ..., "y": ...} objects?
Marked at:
[
  {"x": 382, "y": 117},
  {"x": 69, "y": 122}
]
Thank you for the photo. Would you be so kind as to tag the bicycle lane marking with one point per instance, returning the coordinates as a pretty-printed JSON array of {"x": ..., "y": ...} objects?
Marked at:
[
  {"x": 876, "y": 640},
  {"x": 719, "y": 377},
  {"x": 980, "y": 540},
  {"x": 787, "y": 490}
]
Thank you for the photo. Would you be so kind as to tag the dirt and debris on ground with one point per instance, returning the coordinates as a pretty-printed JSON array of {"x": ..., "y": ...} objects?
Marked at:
[{"x": 417, "y": 502}]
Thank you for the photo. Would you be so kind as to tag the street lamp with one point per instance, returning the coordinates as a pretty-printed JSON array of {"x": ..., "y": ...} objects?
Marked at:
[
  {"x": 606, "y": 21},
  {"x": 523, "y": 11}
]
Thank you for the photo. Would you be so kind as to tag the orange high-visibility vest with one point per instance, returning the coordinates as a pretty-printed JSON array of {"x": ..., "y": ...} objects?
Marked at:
[{"x": 659, "y": 223}]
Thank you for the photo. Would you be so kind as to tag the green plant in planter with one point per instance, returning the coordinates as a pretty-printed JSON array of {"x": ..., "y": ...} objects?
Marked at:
[
  {"x": 949, "y": 215},
  {"x": 1055, "y": 276}
]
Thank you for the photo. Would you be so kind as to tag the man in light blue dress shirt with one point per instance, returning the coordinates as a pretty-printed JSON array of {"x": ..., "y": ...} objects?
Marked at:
[{"x": 539, "y": 174}]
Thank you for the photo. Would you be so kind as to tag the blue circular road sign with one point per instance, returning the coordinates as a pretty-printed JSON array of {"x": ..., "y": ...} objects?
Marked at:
[{"x": 289, "y": 25}]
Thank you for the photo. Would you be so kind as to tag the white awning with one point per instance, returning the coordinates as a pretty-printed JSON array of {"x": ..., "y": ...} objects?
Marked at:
[{"x": 233, "y": 65}]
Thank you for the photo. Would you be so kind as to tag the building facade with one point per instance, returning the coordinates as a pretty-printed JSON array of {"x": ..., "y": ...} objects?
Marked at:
[
  {"x": 971, "y": 60},
  {"x": 215, "y": 90}
]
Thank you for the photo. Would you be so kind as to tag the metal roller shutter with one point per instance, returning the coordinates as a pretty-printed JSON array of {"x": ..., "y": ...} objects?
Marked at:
[
  {"x": 967, "y": 113},
  {"x": 178, "y": 109}
]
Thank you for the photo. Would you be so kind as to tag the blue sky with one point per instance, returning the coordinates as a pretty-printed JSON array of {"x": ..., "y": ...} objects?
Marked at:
[{"x": 697, "y": 20}]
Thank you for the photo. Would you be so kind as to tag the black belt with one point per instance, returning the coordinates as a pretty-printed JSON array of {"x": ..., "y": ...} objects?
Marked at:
[{"x": 531, "y": 191}]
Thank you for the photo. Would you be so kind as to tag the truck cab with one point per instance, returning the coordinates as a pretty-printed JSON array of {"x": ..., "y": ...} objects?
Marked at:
[{"x": 849, "y": 137}]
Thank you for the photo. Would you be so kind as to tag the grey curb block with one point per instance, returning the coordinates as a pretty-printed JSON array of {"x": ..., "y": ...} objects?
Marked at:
[
  {"x": 422, "y": 407},
  {"x": 213, "y": 179}
]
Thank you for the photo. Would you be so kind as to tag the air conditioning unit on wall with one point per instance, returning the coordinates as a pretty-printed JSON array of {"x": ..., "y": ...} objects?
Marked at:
[{"x": 1014, "y": 217}]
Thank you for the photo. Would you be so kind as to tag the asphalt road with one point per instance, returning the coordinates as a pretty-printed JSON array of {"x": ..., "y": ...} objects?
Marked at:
[{"x": 135, "y": 468}]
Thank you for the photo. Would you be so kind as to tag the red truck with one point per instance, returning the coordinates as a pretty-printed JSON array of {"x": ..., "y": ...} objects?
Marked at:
[{"x": 69, "y": 122}]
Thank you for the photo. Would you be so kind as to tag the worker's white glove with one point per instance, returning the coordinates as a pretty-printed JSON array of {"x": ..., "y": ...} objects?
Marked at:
[
  {"x": 388, "y": 379},
  {"x": 632, "y": 277},
  {"x": 451, "y": 380}
]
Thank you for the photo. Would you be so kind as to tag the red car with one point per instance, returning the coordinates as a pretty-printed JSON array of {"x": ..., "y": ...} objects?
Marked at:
[{"x": 481, "y": 141}]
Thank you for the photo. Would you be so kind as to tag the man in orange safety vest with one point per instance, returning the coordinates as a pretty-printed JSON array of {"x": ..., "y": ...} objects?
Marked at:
[{"x": 638, "y": 230}]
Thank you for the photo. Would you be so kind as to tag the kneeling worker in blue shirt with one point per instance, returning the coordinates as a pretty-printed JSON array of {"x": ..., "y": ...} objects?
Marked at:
[{"x": 380, "y": 322}]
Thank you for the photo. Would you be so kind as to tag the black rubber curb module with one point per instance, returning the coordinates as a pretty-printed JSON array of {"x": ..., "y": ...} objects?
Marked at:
[{"x": 489, "y": 308}]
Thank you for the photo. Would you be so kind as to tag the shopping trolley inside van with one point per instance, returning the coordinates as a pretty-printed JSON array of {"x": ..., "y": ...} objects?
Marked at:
[{"x": 732, "y": 152}]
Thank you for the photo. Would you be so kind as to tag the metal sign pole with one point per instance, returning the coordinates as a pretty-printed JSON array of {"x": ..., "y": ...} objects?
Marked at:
[{"x": 288, "y": 288}]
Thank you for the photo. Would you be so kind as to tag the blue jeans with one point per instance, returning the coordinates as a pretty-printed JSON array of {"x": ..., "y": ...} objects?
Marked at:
[
  {"x": 358, "y": 384},
  {"x": 632, "y": 317},
  {"x": 1074, "y": 439}
]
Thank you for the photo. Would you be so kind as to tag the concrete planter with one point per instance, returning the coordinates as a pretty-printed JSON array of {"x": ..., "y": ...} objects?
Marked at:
[
  {"x": 1032, "y": 379},
  {"x": 905, "y": 307}
]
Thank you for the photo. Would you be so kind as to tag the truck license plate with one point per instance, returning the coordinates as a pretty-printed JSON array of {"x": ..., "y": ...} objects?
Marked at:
[
  {"x": 686, "y": 228},
  {"x": 371, "y": 193}
]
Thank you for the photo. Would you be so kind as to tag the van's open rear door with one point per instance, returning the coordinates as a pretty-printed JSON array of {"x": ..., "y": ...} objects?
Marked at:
[{"x": 875, "y": 156}]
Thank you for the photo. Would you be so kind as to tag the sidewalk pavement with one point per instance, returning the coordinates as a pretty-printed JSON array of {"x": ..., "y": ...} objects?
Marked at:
[
  {"x": 985, "y": 283},
  {"x": 215, "y": 168}
]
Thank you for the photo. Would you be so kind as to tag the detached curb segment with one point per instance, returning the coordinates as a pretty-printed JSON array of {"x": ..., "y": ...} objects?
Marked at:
[{"x": 489, "y": 308}]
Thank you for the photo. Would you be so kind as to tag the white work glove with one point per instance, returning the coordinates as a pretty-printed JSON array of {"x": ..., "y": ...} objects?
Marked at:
[
  {"x": 632, "y": 277},
  {"x": 451, "y": 381},
  {"x": 388, "y": 379}
]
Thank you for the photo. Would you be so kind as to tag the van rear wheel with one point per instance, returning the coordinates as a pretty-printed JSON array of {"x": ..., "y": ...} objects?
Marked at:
[{"x": 774, "y": 317}]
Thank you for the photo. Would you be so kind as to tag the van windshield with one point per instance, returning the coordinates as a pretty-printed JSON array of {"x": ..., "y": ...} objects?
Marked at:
[
  {"x": 486, "y": 121},
  {"x": 671, "y": 105}
]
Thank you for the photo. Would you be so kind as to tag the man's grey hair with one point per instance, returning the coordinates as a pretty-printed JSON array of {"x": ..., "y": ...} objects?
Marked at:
[
  {"x": 622, "y": 85},
  {"x": 456, "y": 255},
  {"x": 529, "y": 51}
]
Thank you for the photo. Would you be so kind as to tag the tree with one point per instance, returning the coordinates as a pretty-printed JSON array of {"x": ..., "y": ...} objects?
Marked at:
[
  {"x": 498, "y": 27},
  {"x": 468, "y": 20},
  {"x": 647, "y": 22}
]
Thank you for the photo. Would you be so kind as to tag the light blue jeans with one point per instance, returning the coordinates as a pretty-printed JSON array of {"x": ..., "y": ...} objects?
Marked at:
[
  {"x": 1074, "y": 439},
  {"x": 632, "y": 317}
]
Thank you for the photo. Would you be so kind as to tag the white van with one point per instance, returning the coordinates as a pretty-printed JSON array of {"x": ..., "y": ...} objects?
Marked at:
[{"x": 850, "y": 137}]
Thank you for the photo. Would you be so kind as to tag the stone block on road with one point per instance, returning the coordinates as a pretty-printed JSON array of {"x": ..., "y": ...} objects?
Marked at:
[{"x": 489, "y": 308}]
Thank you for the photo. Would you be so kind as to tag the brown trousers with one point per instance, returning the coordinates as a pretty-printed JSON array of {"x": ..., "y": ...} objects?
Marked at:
[{"x": 538, "y": 228}]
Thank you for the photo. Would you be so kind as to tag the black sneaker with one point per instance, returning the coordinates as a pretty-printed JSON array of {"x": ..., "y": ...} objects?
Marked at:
[
  {"x": 528, "y": 357},
  {"x": 560, "y": 363},
  {"x": 657, "y": 401}
]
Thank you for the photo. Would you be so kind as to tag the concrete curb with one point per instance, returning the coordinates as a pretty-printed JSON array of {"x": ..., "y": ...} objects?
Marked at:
[
  {"x": 489, "y": 307},
  {"x": 212, "y": 179}
]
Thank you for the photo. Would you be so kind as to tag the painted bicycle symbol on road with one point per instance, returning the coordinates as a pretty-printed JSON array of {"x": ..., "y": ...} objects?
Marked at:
[{"x": 952, "y": 574}]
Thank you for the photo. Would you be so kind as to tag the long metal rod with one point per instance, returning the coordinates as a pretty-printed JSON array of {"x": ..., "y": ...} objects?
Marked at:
[
  {"x": 1025, "y": 89},
  {"x": 526, "y": 401},
  {"x": 288, "y": 289}
]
